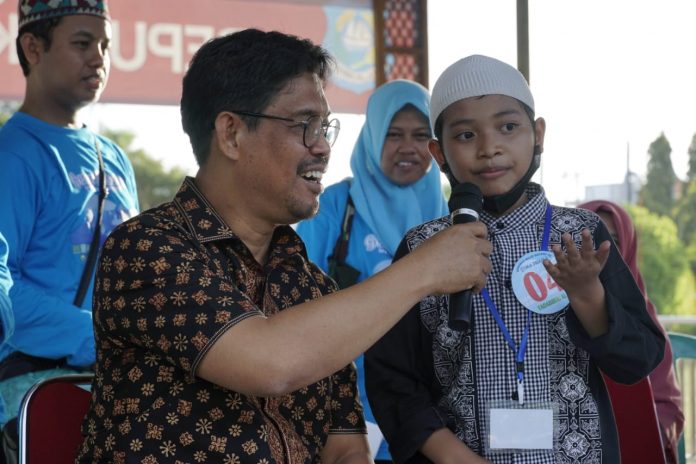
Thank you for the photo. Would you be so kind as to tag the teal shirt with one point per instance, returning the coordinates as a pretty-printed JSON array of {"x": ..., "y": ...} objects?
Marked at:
[
  {"x": 365, "y": 251},
  {"x": 49, "y": 182}
]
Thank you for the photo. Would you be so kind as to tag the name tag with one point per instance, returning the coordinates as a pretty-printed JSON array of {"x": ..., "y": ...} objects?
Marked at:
[{"x": 520, "y": 428}]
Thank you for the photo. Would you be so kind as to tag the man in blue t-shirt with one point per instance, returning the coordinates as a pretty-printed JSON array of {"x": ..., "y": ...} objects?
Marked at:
[{"x": 59, "y": 183}]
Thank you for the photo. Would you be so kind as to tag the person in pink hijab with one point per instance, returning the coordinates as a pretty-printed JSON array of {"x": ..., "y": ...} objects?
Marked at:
[{"x": 666, "y": 392}]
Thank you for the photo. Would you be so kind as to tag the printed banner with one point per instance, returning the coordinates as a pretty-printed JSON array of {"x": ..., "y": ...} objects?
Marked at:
[{"x": 154, "y": 40}]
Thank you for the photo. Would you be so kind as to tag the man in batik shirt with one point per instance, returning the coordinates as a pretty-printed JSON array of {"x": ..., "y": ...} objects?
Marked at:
[{"x": 217, "y": 340}]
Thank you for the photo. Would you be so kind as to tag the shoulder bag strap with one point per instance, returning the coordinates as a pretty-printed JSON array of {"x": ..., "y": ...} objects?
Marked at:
[
  {"x": 340, "y": 250},
  {"x": 94, "y": 246}
]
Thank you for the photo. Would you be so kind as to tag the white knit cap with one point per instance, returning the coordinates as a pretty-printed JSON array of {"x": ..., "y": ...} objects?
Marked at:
[{"x": 475, "y": 76}]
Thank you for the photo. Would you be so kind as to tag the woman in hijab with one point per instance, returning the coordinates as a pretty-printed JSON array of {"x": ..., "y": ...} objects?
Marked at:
[
  {"x": 395, "y": 186},
  {"x": 668, "y": 402}
]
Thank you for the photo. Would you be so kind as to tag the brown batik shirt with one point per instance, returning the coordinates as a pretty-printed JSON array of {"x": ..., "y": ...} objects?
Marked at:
[{"x": 170, "y": 282}]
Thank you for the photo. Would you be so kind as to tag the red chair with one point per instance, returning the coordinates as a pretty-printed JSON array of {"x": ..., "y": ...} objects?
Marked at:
[
  {"x": 640, "y": 440},
  {"x": 50, "y": 417}
]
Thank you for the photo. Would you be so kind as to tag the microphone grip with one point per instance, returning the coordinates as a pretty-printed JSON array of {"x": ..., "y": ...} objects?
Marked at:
[
  {"x": 460, "y": 302},
  {"x": 460, "y": 310}
]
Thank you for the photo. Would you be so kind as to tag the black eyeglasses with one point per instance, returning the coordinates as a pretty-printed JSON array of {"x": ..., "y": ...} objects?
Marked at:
[{"x": 313, "y": 127}]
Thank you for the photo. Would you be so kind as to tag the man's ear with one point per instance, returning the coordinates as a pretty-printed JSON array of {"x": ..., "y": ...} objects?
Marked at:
[
  {"x": 33, "y": 48},
  {"x": 226, "y": 134},
  {"x": 437, "y": 153}
]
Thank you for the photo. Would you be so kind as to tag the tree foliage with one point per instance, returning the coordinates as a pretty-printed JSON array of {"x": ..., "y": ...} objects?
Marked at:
[
  {"x": 663, "y": 262},
  {"x": 691, "y": 256},
  {"x": 691, "y": 174},
  {"x": 686, "y": 215},
  {"x": 5, "y": 114},
  {"x": 7, "y": 109},
  {"x": 686, "y": 220},
  {"x": 658, "y": 192},
  {"x": 686, "y": 209},
  {"x": 155, "y": 184}
]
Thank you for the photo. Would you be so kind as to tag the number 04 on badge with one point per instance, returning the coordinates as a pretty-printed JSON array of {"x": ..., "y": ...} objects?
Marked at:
[{"x": 534, "y": 287}]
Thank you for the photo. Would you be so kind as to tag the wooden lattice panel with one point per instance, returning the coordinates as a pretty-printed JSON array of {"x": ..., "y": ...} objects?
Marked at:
[
  {"x": 401, "y": 40},
  {"x": 401, "y": 66},
  {"x": 400, "y": 23}
]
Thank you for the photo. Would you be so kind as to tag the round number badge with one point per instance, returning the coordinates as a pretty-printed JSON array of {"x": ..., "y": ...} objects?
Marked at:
[{"x": 534, "y": 287}]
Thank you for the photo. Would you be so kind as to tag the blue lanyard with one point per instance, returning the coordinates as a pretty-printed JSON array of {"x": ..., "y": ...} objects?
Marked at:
[{"x": 522, "y": 350}]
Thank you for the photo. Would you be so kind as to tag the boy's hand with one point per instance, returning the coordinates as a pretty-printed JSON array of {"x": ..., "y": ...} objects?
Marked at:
[{"x": 577, "y": 272}]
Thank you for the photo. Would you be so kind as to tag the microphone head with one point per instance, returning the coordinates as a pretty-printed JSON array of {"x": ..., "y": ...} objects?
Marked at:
[{"x": 466, "y": 195}]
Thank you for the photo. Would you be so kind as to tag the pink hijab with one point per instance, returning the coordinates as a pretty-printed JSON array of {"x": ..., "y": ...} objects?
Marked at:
[{"x": 668, "y": 401}]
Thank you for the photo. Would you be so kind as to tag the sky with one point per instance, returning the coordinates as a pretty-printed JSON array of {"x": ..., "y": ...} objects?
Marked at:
[{"x": 607, "y": 76}]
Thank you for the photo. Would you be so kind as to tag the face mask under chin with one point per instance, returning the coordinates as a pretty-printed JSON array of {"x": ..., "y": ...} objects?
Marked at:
[{"x": 498, "y": 204}]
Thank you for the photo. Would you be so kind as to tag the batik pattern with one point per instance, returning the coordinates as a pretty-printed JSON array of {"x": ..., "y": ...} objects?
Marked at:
[{"x": 170, "y": 283}]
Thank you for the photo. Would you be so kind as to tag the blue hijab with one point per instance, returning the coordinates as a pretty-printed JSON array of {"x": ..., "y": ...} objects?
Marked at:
[{"x": 390, "y": 210}]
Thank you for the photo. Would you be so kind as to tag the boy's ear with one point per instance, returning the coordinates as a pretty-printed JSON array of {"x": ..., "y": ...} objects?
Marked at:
[
  {"x": 539, "y": 133},
  {"x": 437, "y": 153}
]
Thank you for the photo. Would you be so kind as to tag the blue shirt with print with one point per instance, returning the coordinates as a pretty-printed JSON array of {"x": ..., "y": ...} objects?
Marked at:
[{"x": 49, "y": 182}]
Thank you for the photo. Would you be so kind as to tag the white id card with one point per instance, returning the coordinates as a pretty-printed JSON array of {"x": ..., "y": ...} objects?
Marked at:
[{"x": 520, "y": 428}]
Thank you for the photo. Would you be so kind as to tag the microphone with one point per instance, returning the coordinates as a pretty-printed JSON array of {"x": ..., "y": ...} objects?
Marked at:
[{"x": 465, "y": 204}]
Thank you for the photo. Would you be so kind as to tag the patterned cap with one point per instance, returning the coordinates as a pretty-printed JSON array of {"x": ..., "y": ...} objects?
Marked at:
[
  {"x": 37, "y": 10},
  {"x": 475, "y": 76}
]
